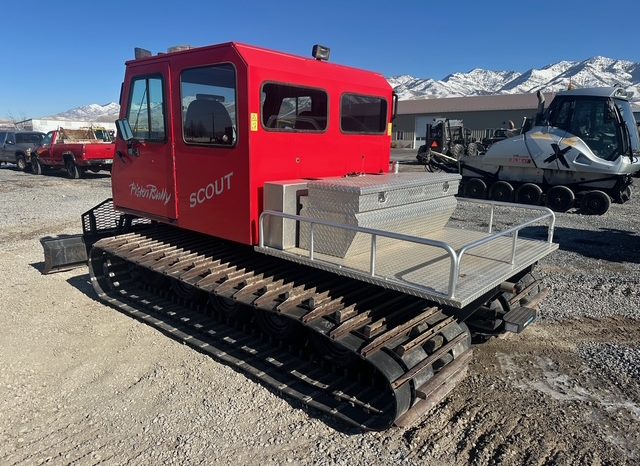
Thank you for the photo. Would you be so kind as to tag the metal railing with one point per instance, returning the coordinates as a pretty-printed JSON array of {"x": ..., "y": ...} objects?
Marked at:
[{"x": 455, "y": 256}]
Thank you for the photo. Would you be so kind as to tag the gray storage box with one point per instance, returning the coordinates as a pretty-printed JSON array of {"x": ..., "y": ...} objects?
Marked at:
[{"x": 282, "y": 196}]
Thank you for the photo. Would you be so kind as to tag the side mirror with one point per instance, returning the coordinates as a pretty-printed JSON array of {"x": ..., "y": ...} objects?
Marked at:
[
  {"x": 124, "y": 130},
  {"x": 9, "y": 142}
]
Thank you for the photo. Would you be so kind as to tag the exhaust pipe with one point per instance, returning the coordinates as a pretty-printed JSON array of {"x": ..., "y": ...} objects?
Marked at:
[{"x": 540, "y": 112}]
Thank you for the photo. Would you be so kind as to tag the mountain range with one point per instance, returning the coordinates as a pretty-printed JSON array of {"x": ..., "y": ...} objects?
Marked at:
[{"x": 594, "y": 72}]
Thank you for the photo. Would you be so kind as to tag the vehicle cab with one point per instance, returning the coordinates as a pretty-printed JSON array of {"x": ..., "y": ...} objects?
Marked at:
[{"x": 209, "y": 126}]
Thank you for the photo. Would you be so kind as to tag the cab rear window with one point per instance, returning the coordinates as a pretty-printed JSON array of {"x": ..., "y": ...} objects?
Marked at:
[{"x": 361, "y": 114}]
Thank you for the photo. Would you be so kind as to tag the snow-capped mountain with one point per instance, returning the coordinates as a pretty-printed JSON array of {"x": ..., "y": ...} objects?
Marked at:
[
  {"x": 594, "y": 72},
  {"x": 91, "y": 112}
]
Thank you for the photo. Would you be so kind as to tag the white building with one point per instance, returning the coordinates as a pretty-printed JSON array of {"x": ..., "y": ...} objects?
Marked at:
[{"x": 45, "y": 125}]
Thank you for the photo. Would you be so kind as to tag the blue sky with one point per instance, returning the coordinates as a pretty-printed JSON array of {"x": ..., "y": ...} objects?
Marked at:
[{"x": 59, "y": 55}]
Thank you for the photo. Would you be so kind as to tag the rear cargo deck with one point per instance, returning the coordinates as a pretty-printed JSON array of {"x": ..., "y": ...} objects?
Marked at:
[{"x": 399, "y": 262}]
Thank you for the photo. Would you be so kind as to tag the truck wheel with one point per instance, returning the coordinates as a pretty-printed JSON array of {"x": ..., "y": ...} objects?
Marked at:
[
  {"x": 72, "y": 169},
  {"x": 595, "y": 203},
  {"x": 529, "y": 193},
  {"x": 560, "y": 198},
  {"x": 21, "y": 163},
  {"x": 475, "y": 188},
  {"x": 36, "y": 167},
  {"x": 501, "y": 191}
]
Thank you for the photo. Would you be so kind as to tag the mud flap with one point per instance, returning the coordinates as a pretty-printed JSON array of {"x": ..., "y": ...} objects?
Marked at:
[{"x": 63, "y": 252}]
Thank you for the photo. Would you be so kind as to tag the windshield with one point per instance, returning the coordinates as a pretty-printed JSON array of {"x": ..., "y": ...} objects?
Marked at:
[
  {"x": 591, "y": 120},
  {"x": 627, "y": 114},
  {"x": 47, "y": 139},
  {"x": 29, "y": 138}
]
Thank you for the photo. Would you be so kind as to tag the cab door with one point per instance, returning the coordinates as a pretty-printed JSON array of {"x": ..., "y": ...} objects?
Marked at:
[{"x": 143, "y": 169}]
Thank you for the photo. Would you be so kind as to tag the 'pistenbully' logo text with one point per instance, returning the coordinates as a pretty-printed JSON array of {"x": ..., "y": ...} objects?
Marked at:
[{"x": 151, "y": 192}]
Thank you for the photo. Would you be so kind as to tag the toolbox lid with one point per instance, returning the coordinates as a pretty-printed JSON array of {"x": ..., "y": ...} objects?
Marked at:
[{"x": 367, "y": 184}]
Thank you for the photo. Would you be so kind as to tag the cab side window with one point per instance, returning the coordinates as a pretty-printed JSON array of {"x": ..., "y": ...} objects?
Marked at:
[
  {"x": 208, "y": 98},
  {"x": 293, "y": 108},
  {"x": 147, "y": 109},
  {"x": 363, "y": 114},
  {"x": 3, "y": 137}
]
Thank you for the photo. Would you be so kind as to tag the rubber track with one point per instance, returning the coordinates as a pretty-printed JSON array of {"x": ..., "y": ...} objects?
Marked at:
[{"x": 409, "y": 353}]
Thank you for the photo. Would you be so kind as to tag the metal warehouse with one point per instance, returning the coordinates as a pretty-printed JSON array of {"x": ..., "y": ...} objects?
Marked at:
[{"x": 478, "y": 112}]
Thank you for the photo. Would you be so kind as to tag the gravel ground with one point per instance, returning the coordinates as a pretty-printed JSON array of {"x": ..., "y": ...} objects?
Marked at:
[{"x": 81, "y": 383}]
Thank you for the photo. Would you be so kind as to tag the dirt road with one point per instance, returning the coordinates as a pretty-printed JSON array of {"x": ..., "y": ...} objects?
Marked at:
[{"x": 81, "y": 383}]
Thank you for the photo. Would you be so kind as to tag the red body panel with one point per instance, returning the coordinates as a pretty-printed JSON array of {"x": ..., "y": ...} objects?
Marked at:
[
  {"x": 84, "y": 154},
  {"x": 218, "y": 190}
]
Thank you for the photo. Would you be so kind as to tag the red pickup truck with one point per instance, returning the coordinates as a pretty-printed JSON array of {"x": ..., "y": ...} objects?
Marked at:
[{"x": 76, "y": 150}]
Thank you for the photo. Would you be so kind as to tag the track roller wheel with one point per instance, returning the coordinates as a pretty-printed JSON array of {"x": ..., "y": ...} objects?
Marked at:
[
  {"x": 279, "y": 327},
  {"x": 501, "y": 191},
  {"x": 560, "y": 198},
  {"x": 475, "y": 188},
  {"x": 595, "y": 203},
  {"x": 529, "y": 193}
]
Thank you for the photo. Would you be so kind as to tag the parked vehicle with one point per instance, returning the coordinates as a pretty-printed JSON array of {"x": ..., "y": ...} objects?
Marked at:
[
  {"x": 445, "y": 137},
  {"x": 581, "y": 152},
  {"x": 76, "y": 151},
  {"x": 257, "y": 219},
  {"x": 17, "y": 147}
]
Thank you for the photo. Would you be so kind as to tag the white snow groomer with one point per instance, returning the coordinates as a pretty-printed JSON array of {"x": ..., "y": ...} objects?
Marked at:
[{"x": 581, "y": 152}]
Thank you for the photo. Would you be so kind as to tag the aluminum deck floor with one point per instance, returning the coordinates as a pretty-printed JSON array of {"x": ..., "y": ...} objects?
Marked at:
[{"x": 424, "y": 270}]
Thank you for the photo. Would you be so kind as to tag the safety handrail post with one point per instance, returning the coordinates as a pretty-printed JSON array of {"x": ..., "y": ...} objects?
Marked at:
[
  {"x": 311, "y": 240},
  {"x": 372, "y": 265},
  {"x": 491, "y": 219}
]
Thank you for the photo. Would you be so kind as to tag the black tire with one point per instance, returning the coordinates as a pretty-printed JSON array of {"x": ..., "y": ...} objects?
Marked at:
[
  {"x": 457, "y": 151},
  {"x": 21, "y": 162},
  {"x": 472, "y": 149},
  {"x": 560, "y": 198},
  {"x": 423, "y": 155},
  {"x": 72, "y": 169},
  {"x": 475, "y": 188},
  {"x": 501, "y": 191},
  {"x": 36, "y": 167},
  {"x": 595, "y": 203},
  {"x": 529, "y": 193}
]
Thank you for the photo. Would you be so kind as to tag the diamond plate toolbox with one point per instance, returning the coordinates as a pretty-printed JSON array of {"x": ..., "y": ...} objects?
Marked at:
[{"x": 409, "y": 203}]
